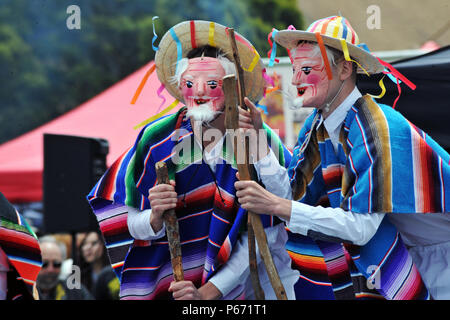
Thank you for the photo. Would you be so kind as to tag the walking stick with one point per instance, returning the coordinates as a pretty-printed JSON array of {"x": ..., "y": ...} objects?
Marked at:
[
  {"x": 246, "y": 172},
  {"x": 171, "y": 222}
]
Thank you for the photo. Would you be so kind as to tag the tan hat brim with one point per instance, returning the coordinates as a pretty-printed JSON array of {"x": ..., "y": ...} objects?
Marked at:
[
  {"x": 214, "y": 34},
  {"x": 290, "y": 38}
]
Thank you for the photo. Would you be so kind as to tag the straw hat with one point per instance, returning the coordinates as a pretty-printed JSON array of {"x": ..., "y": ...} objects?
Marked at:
[
  {"x": 187, "y": 35},
  {"x": 333, "y": 30}
]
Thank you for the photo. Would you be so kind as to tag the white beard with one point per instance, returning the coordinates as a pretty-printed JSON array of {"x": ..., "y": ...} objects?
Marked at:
[
  {"x": 294, "y": 101},
  {"x": 203, "y": 113},
  {"x": 297, "y": 103}
]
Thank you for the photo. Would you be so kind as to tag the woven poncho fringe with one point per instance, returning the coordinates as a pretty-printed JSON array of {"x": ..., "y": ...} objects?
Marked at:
[
  {"x": 21, "y": 246},
  {"x": 383, "y": 164},
  {"x": 209, "y": 220}
]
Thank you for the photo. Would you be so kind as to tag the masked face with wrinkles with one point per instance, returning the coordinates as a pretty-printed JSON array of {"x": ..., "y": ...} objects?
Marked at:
[
  {"x": 310, "y": 76},
  {"x": 201, "y": 87}
]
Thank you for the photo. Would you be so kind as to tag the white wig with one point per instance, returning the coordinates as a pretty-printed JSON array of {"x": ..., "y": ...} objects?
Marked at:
[{"x": 183, "y": 64}]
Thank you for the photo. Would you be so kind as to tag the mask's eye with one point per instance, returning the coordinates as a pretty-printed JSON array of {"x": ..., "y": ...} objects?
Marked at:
[
  {"x": 189, "y": 84},
  {"x": 212, "y": 84},
  {"x": 306, "y": 70}
]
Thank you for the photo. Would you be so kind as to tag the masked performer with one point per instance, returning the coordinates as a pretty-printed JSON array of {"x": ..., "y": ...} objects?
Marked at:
[
  {"x": 366, "y": 196},
  {"x": 192, "y": 59}
]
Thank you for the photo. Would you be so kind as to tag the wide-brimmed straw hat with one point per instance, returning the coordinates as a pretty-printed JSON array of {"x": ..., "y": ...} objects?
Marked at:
[
  {"x": 335, "y": 32},
  {"x": 188, "y": 35}
]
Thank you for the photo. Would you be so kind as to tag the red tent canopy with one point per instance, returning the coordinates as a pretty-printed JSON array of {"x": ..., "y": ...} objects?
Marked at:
[{"x": 109, "y": 115}]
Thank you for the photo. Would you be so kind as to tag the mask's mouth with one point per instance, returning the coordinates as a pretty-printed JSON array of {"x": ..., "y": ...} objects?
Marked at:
[
  {"x": 201, "y": 101},
  {"x": 300, "y": 91},
  {"x": 302, "y": 88}
]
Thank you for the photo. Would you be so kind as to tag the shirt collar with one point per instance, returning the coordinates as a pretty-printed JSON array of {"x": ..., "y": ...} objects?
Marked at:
[{"x": 337, "y": 117}]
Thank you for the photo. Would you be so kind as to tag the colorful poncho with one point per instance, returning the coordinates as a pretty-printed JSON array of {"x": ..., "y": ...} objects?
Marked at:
[
  {"x": 21, "y": 246},
  {"x": 209, "y": 216},
  {"x": 383, "y": 164}
]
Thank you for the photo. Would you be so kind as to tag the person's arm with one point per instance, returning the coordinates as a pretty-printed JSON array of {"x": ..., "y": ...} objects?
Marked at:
[
  {"x": 332, "y": 224},
  {"x": 140, "y": 227},
  {"x": 274, "y": 176},
  {"x": 149, "y": 224}
]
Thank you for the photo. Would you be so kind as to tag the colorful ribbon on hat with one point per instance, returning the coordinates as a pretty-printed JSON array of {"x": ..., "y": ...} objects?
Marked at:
[
  {"x": 158, "y": 92},
  {"x": 273, "y": 48},
  {"x": 323, "y": 51},
  {"x": 256, "y": 56},
  {"x": 179, "y": 47},
  {"x": 193, "y": 42},
  {"x": 159, "y": 115},
  {"x": 143, "y": 81},
  {"x": 211, "y": 32},
  {"x": 347, "y": 56},
  {"x": 255, "y": 60},
  {"x": 397, "y": 74},
  {"x": 262, "y": 107},
  {"x": 154, "y": 34}
]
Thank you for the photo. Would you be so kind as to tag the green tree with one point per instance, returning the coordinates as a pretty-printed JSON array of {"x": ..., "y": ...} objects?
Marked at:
[{"x": 49, "y": 69}]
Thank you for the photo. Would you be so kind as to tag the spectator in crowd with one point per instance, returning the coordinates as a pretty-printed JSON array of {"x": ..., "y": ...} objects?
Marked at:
[
  {"x": 49, "y": 285},
  {"x": 97, "y": 274}
]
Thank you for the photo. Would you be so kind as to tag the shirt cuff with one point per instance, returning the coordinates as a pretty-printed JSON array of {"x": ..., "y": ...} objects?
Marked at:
[
  {"x": 267, "y": 166},
  {"x": 140, "y": 227},
  {"x": 274, "y": 176},
  {"x": 300, "y": 221}
]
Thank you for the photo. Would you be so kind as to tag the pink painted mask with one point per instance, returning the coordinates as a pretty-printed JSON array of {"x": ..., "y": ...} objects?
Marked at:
[
  {"x": 201, "y": 83},
  {"x": 310, "y": 76}
]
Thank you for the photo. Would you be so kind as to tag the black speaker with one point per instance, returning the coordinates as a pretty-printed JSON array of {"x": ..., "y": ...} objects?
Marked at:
[{"x": 72, "y": 166}]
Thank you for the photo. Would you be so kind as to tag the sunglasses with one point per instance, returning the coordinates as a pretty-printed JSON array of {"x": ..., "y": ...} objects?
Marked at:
[{"x": 56, "y": 264}]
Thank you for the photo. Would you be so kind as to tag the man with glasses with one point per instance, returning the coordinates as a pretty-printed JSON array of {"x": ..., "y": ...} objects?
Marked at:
[{"x": 49, "y": 284}]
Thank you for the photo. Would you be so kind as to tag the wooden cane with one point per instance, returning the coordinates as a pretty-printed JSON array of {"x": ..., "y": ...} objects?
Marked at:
[
  {"x": 254, "y": 221},
  {"x": 247, "y": 172},
  {"x": 171, "y": 222}
]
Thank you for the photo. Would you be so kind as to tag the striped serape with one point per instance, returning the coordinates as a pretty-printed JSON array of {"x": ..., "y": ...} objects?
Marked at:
[
  {"x": 209, "y": 216},
  {"x": 383, "y": 164},
  {"x": 21, "y": 246}
]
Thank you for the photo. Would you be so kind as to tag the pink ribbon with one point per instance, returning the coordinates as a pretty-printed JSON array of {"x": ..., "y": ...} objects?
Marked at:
[{"x": 158, "y": 92}]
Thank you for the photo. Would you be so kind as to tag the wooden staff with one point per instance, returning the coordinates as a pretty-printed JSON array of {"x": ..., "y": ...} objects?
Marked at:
[
  {"x": 171, "y": 222},
  {"x": 246, "y": 172}
]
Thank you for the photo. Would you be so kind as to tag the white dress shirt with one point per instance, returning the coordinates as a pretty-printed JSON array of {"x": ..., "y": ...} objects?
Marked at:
[{"x": 236, "y": 271}]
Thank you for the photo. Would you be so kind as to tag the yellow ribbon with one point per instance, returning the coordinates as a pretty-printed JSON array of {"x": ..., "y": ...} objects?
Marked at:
[
  {"x": 143, "y": 123},
  {"x": 336, "y": 28},
  {"x": 383, "y": 90},
  {"x": 347, "y": 56},
  {"x": 254, "y": 61},
  {"x": 212, "y": 43}
]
